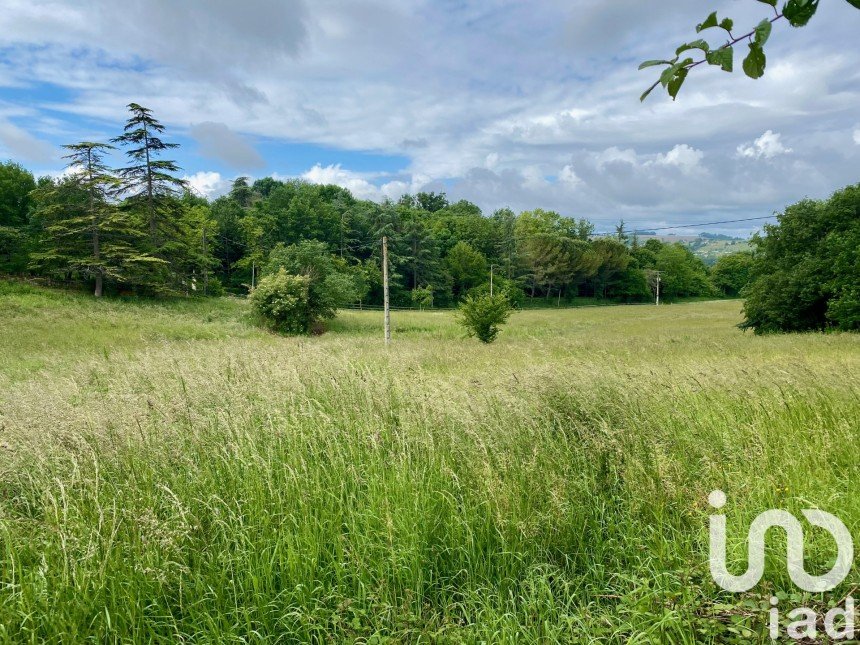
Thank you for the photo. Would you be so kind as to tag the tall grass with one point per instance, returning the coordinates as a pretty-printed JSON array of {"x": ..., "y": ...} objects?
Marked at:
[{"x": 211, "y": 482}]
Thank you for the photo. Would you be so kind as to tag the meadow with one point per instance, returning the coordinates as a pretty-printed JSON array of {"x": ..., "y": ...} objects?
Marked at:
[{"x": 169, "y": 472}]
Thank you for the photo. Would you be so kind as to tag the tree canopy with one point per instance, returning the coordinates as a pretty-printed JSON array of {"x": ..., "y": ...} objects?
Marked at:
[{"x": 806, "y": 268}]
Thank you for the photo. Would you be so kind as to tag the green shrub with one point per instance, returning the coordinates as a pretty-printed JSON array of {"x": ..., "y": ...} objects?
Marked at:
[
  {"x": 482, "y": 315},
  {"x": 282, "y": 300},
  {"x": 332, "y": 283}
]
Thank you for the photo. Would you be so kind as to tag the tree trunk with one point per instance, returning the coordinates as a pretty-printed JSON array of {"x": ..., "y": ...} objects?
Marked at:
[
  {"x": 96, "y": 240},
  {"x": 153, "y": 227}
]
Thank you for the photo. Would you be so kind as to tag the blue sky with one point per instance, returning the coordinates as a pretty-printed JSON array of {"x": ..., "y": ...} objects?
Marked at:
[{"x": 504, "y": 103}]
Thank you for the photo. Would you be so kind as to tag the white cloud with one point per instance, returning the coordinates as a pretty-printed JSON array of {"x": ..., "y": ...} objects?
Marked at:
[
  {"x": 569, "y": 176},
  {"x": 534, "y": 178},
  {"x": 767, "y": 146},
  {"x": 395, "y": 189},
  {"x": 474, "y": 103},
  {"x": 208, "y": 184},
  {"x": 682, "y": 156},
  {"x": 857, "y": 136},
  {"x": 215, "y": 43},
  {"x": 615, "y": 155},
  {"x": 359, "y": 186}
]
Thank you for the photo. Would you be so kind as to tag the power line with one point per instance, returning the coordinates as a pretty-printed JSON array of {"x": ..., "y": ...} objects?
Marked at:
[
  {"x": 727, "y": 221},
  {"x": 666, "y": 228}
]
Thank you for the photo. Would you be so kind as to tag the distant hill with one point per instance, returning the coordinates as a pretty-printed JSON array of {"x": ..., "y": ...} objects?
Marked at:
[{"x": 708, "y": 246}]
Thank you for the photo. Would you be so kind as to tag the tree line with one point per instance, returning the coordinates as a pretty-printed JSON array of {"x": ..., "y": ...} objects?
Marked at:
[{"x": 139, "y": 228}]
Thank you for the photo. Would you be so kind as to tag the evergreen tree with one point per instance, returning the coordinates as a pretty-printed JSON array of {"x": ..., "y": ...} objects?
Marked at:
[
  {"x": 242, "y": 192},
  {"x": 84, "y": 233},
  {"x": 149, "y": 183}
]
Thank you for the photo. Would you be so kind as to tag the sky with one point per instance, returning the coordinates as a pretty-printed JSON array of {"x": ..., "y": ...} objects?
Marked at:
[{"x": 506, "y": 103}]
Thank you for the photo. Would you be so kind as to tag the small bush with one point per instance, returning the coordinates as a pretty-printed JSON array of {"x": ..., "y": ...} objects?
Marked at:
[
  {"x": 482, "y": 315},
  {"x": 282, "y": 300}
]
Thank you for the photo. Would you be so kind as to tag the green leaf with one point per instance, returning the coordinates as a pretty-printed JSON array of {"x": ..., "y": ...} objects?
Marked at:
[
  {"x": 668, "y": 74},
  {"x": 755, "y": 61},
  {"x": 696, "y": 44},
  {"x": 854, "y": 3},
  {"x": 710, "y": 21},
  {"x": 762, "y": 31},
  {"x": 728, "y": 23},
  {"x": 724, "y": 57},
  {"x": 652, "y": 63},
  {"x": 648, "y": 91},
  {"x": 676, "y": 83},
  {"x": 772, "y": 3},
  {"x": 798, "y": 12}
]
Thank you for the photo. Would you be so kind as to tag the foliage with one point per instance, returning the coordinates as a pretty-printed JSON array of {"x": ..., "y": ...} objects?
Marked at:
[
  {"x": 675, "y": 70},
  {"x": 16, "y": 185},
  {"x": 633, "y": 285},
  {"x": 422, "y": 297},
  {"x": 468, "y": 266},
  {"x": 130, "y": 228},
  {"x": 94, "y": 240},
  {"x": 510, "y": 289},
  {"x": 611, "y": 259},
  {"x": 283, "y": 301},
  {"x": 807, "y": 268},
  {"x": 482, "y": 315},
  {"x": 149, "y": 183},
  {"x": 731, "y": 273},
  {"x": 681, "y": 272},
  {"x": 331, "y": 284}
]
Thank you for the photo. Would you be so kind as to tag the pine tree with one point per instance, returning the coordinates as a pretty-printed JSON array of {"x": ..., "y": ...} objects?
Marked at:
[
  {"x": 83, "y": 232},
  {"x": 149, "y": 183}
]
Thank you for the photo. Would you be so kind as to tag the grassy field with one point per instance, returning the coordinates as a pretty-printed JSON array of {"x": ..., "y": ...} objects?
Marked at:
[{"x": 168, "y": 472}]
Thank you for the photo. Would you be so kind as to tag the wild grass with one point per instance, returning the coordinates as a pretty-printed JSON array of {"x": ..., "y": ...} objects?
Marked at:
[{"x": 170, "y": 473}]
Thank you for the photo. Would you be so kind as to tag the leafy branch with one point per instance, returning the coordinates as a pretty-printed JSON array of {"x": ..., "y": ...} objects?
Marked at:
[{"x": 796, "y": 12}]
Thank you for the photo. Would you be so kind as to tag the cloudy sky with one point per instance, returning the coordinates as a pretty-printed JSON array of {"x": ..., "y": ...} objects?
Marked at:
[{"x": 503, "y": 102}]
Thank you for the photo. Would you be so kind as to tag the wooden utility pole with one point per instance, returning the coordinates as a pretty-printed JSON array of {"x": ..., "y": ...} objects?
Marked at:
[
  {"x": 491, "y": 280},
  {"x": 658, "y": 289},
  {"x": 205, "y": 265},
  {"x": 253, "y": 271},
  {"x": 385, "y": 290}
]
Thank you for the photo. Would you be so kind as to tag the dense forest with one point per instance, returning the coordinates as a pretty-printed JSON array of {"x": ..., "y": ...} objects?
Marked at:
[{"x": 138, "y": 228}]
